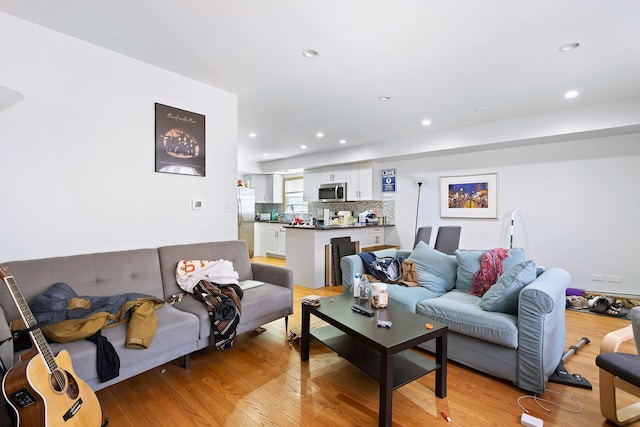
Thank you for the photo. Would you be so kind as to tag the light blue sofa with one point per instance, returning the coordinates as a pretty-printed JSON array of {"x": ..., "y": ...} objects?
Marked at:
[{"x": 520, "y": 340}]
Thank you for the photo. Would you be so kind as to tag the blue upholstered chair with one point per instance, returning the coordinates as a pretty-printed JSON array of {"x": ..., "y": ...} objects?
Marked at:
[{"x": 620, "y": 371}]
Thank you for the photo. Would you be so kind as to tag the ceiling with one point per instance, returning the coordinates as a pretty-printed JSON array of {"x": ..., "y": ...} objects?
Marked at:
[{"x": 458, "y": 64}]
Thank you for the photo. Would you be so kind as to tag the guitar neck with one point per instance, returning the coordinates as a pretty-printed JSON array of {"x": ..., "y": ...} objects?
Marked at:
[{"x": 37, "y": 337}]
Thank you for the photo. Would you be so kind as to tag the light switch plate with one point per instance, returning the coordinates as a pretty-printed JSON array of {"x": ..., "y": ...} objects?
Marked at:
[{"x": 196, "y": 204}]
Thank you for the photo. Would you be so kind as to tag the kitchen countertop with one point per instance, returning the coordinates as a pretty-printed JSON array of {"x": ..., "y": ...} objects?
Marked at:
[{"x": 336, "y": 227}]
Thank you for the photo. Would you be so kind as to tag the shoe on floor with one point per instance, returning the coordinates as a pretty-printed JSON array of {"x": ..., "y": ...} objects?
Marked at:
[{"x": 577, "y": 302}]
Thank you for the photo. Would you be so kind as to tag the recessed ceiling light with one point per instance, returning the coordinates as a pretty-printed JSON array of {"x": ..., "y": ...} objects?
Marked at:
[
  {"x": 265, "y": 154},
  {"x": 343, "y": 141},
  {"x": 310, "y": 53},
  {"x": 384, "y": 98},
  {"x": 304, "y": 147},
  {"x": 426, "y": 122},
  {"x": 320, "y": 135},
  {"x": 567, "y": 47},
  {"x": 480, "y": 109},
  {"x": 571, "y": 94},
  {"x": 252, "y": 135}
]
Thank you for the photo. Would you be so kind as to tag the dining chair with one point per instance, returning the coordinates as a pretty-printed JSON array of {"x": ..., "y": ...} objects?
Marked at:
[{"x": 448, "y": 239}]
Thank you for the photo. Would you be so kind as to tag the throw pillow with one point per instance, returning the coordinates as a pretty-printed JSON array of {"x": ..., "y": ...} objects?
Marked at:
[
  {"x": 436, "y": 270},
  {"x": 503, "y": 296},
  {"x": 469, "y": 264}
]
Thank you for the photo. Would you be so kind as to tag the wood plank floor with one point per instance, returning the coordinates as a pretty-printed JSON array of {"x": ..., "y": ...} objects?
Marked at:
[{"x": 261, "y": 381}]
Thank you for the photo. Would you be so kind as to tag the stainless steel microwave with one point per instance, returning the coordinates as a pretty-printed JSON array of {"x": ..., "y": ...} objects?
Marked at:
[{"x": 334, "y": 192}]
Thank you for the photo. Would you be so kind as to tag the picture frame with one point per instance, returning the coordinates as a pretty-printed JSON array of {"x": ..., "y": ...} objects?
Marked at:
[
  {"x": 179, "y": 141},
  {"x": 469, "y": 196}
]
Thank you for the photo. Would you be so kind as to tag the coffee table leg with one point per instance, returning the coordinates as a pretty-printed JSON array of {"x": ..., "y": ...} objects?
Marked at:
[
  {"x": 386, "y": 390},
  {"x": 441, "y": 360},
  {"x": 304, "y": 340}
]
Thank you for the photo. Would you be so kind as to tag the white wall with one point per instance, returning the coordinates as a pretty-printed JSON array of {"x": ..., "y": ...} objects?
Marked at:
[
  {"x": 578, "y": 205},
  {"x": 77, "y": 153}
]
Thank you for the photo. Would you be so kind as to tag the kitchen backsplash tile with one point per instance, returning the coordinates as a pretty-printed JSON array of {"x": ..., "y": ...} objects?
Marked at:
[{"x": 387, "y": 208}]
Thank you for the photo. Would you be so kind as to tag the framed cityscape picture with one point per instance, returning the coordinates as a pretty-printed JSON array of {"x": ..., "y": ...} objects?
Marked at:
[
  {"x": 470, "y": 196},
  {"x": 180, "y": 141}
]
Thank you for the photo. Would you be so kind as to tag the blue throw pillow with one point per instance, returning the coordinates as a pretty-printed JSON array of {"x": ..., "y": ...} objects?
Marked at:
[
  {"x": 469, "y": 264},
  {"x": 503, "y": 296},
  {"x": 436, "y": 270}
]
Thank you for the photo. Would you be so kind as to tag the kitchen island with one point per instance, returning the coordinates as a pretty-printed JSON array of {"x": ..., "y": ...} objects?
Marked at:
[{"x": 306, "y": 248}]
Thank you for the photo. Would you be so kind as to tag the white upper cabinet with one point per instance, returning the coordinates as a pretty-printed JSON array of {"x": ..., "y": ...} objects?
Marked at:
[
  {"x": 311, "y": 183},
  {"x": 269, "y": 188},
  {"x": 363, "y": 180},
  {"x": 331, "y": 174}
]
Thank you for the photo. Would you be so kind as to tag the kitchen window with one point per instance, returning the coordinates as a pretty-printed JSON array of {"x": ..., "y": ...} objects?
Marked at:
[{"x": 294, "y": 197}]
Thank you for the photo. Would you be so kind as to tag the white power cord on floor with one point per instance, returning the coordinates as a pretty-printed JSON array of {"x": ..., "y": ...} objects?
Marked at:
[{"x": 530, "y": 421}]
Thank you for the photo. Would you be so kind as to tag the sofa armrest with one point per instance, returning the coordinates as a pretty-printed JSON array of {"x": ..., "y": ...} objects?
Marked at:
[
  {"x": 350, "y": 265},
  {"x": 6, "y": 348},
  {"x": 541, "y": 328},
  {"x": 272, "y": 274}
]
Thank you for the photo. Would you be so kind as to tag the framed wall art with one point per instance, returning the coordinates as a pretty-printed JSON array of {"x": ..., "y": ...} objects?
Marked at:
[
  {"x": 180, "y": 141},
  {"x": 470, "y": 196}
]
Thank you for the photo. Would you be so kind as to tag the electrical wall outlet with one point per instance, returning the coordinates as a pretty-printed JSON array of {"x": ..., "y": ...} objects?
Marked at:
[
  {"x": 597, "y": 277},
  {"x": 614, "y": 279}
]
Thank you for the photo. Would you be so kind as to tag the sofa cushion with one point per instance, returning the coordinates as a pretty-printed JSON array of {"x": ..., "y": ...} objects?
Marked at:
[
  {"x": 469, "y": 264},
  {"x": 176, "y": 329},
  {"x": 436, "y": 270},
  {"x": 461, "y": 312},
  {"x": 503, "y": 296},
  {"x": 234, "y": 250},
  {"x": 407, "y": 298}
]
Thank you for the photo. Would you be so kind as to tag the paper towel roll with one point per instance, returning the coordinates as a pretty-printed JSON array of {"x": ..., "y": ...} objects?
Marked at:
[{"x": 326, "y": 218}]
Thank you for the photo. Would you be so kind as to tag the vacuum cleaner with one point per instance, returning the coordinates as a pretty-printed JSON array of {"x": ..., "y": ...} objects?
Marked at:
[{"x": 561, "y": 376}]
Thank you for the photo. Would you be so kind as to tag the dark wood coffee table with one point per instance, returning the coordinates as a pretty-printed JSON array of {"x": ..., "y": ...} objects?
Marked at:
[{"x": 382, "y": 353}]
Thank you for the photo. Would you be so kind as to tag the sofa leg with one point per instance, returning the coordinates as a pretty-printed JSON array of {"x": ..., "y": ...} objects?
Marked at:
[
  {"x": 186, "y": 361},
  {"x": 286, "y": 324}
]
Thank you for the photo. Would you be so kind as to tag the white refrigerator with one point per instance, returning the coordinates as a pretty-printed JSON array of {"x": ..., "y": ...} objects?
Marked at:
[{"x": 246, "y": 215}]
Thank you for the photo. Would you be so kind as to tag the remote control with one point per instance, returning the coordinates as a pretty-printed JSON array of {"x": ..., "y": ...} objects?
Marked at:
[{"x": 362, "y": 310}]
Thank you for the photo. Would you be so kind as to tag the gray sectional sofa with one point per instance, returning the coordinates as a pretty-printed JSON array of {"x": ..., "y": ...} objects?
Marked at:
[
  {"x": 182, "y": 328},
  {"x": 516, "y": 331}
]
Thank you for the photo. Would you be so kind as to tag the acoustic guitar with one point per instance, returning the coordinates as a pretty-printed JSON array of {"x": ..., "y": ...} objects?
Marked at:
[{"x": 42, "y": 388}]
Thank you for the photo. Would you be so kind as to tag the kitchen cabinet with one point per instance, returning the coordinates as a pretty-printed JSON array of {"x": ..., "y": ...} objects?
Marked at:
[
  {"x": 374, "y": 237},
  {"x": 333, "y": 174},
  {"x": 275, "y": 240},
  {"x": 364, "y": 182},
  {"x": 269, "y": 187},
  {"x": 311, "y": 182}
]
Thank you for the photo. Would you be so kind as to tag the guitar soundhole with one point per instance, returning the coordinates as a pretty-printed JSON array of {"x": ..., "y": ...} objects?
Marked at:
[{"x": 64, "y": 382}]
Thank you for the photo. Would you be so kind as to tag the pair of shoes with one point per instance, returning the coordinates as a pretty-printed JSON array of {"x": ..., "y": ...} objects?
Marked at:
[
  {"x": 577, "y": 302},
  {"x": 614, "y": 311},
  {"x": 601, "y": 304}
]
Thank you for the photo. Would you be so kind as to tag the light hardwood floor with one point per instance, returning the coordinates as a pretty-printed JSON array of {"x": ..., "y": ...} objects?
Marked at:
[{"x": 262, "y": 382}]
